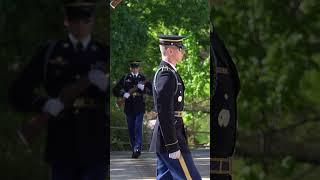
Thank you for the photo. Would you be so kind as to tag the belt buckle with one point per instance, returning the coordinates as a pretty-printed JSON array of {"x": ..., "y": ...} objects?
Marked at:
[
  {"x": 83, "y": 102},
  {"x": 178, "y": 113},
  {"x": 222, "y": 169},
  {"x": 79, "y": 102},
  {"x": 222, "y": 70}
]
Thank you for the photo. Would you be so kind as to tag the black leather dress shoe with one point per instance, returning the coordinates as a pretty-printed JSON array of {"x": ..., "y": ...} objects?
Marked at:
[{"x": 136, "y": 154}]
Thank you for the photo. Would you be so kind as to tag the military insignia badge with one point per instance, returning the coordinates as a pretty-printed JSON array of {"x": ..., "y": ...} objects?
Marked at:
[
  {"x": 79, "y": 102},
  {"x": 77, "y": 76},
  {"x": 224, "y": 118},
  {"x": 226, "y": 96},
  {"x": 66, "y": 45},
  {"x": 58, "y": 60},
  {"x": 93, "y": 48}
]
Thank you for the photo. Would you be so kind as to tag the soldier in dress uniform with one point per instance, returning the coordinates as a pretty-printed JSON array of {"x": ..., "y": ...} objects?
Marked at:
[
  {"x": 132, "y": 87},
  {"x": 225, "y": 86},
  {"x": 174, "y": 160},
  {"x": 76, "y": 141}
]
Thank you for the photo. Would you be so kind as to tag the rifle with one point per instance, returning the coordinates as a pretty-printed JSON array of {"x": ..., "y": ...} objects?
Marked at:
[
  {"x": 68, "y": 94},
  {"x": 115, "y": 3},
  {"x": 122, "y": 100}
]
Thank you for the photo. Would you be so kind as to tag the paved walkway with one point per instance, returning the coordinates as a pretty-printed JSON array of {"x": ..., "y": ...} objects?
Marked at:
[{"x": 123, "y": 167}]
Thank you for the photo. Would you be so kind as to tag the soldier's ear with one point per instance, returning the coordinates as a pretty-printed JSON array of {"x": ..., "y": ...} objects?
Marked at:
[{"x": 168, "y": 51}]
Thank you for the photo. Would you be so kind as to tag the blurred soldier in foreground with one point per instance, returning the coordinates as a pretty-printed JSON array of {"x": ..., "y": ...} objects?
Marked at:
[
  {"x": 225, "y": 86},
  {"x": 76, "y": 141}
]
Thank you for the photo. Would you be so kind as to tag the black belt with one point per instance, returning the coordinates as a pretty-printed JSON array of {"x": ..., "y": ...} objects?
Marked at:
[
  {"x": 84, "y": 102},
  {"x": 178, "y": 113},
  {"x": 222, "y": 70},
  {"x": 136, "y": 94},
  {"x": 221, "y": 165}
]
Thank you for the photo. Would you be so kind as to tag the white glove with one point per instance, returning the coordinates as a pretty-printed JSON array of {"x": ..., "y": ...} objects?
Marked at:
[
  {"x": 175, "y": 155},
  {"x": 98, "y": 78},
  {"x": 141, "y": 86},
  {"x": 53, "y": 107},
  {"x": 126, "y": 95}
]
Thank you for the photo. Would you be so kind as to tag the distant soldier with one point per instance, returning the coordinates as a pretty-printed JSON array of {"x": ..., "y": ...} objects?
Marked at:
[
  {"x": 131, "y": 88},
  {"x": 76, "y": 141},
  {"x": 174, "y": 160}
]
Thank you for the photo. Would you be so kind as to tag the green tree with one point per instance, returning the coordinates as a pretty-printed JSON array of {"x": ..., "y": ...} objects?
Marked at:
[
  {"x": 135, "y": 28},
  {"x": 275, "y": 45}
]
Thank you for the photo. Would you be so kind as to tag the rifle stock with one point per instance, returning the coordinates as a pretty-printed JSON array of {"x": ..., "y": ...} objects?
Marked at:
[
  {"x": 32, "y": 128},
  {"x": 120, "y": 102},
  {"x": 115, "y": 3},
  {"x": 68, "y": 94}
]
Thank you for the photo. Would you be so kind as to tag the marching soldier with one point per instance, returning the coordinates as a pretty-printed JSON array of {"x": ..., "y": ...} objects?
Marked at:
[
  {"x": 131, "y": 88},
  {"x": 174, "y": 160},
  {"x": 76, "y": 141}
]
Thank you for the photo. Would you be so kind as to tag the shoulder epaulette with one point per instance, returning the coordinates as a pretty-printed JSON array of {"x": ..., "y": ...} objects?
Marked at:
[{"x": 161, "y": 69}]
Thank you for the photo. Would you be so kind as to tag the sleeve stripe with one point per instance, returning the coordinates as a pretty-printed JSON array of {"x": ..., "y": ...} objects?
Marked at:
[{"x": 172, "y": 143}]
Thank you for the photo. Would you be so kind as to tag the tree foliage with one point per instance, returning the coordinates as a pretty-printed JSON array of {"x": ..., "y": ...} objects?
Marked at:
[
  {"x": 135, "y": 27},
  {"x": 275, "y": 45}
]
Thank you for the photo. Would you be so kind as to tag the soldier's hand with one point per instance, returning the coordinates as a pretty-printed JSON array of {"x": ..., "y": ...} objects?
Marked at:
[
  {"x": 126, "y": 95},
  {"x": 53, "y": 107},
  {"x": 175, "y": 155},
  {"x": 140, "y": 86},
  {"x": 98, "y": 78}
]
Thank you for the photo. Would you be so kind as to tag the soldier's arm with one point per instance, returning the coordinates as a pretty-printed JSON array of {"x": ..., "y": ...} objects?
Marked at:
[
  {"x": 148, "y": 88},
  {"x": 22, "y": 92},
  {"x": 165, "y": 88},
  {"x": 118, "y": 89},
  {"x": 141, "y": 82},
  {"x": 101, "y": 88}
]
